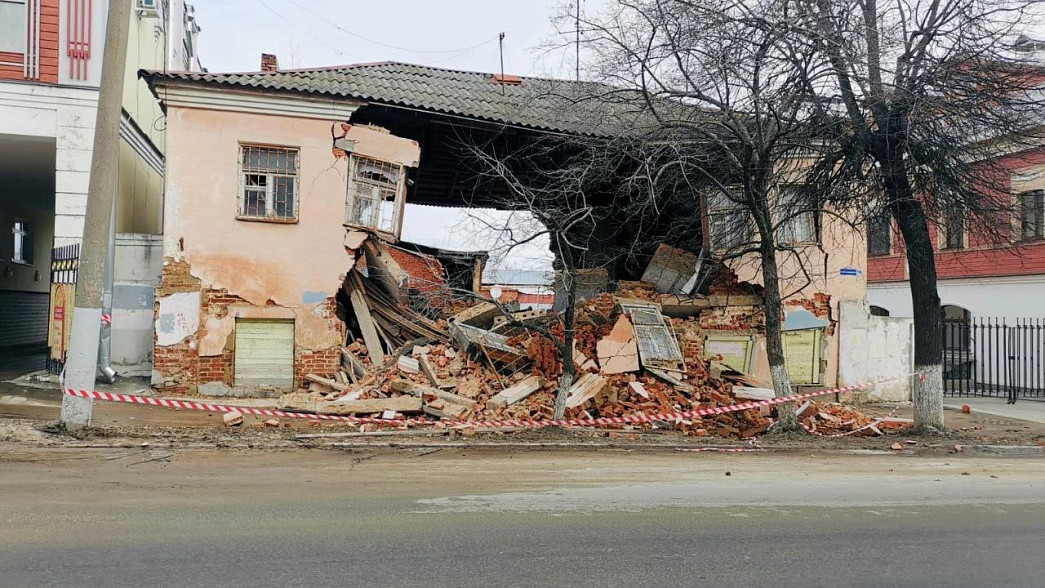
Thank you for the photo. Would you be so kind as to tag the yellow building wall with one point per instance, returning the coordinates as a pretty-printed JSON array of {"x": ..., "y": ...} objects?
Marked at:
[{"x": 140, "y": 195}]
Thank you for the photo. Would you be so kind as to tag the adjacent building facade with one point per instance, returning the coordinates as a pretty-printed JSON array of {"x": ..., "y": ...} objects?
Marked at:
[
  {"x": 1001, "y": 276},
  {"x": 50, "y": 69}
]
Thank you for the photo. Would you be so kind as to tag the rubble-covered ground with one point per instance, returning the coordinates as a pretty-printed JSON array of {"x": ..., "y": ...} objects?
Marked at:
[{"x": 488, "y": 363}]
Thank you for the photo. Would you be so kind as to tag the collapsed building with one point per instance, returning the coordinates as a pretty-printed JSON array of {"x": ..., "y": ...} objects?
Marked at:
[{"x": 284, "y": 269}]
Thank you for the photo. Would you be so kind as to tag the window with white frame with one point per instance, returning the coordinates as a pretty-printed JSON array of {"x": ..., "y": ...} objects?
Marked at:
[
  {"x": 1032, "y": 214},
  {"x": 268, "y": 183},
  {"x": 729, "y": 223},
  {"x": 880, "y": 234},
  {"x": 23, "y": 242},
  {"x": 375, "y": 194},
  {"x": 12, "y": 26}
]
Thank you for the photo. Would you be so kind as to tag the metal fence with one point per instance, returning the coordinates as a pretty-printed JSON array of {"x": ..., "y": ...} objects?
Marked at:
[{"x": 991, "y": 357}]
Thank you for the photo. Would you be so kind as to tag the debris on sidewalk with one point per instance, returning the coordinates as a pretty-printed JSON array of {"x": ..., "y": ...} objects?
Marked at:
[{"x": 433, "y": 352}]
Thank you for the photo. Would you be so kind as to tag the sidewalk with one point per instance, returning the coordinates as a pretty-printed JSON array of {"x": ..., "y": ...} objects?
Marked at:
[{"x": 1024, "y": 410}]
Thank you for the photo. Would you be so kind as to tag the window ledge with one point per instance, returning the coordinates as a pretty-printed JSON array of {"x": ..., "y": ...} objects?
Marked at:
[
  {"x": 268, "y": 219},
  {"x": 22, "y": 263}
]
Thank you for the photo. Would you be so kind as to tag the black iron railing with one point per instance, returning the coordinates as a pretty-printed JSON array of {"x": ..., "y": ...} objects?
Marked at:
[{"x": 992, "y": 357}]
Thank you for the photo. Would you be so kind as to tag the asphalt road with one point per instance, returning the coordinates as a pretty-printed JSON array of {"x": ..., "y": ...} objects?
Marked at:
[{"x": 119, "y": 517}]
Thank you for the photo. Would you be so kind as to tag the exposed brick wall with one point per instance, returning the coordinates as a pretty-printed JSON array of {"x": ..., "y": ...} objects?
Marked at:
[
  {"x": 182, "y": 367},
  {"x": 325, "y": 362},
  {"x": 733, "y": 318},
  {"x": 322, "y": 362},
  {"x": 819, "y": 305},
  {"x": 691, "y": 339},
  {"x": 178, "y": 364},
  {"x": 218, "y": 368},
  {"x": 426, "y": 273}
]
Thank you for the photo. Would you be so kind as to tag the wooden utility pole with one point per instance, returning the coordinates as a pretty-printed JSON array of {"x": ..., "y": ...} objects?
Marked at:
[{"x": 82, "y": 364}]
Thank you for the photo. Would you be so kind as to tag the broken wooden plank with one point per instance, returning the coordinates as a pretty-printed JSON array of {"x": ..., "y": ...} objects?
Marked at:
[
  {"x": 350, "y": 361},
  {"x": 481, "y": 315},
  {"x": 584, "y": 389},
  {"x": 516, "y": 392},
  {"x": 420, "y": 390},
  {"x": 367, "y": 326},
  {"x": 469, "y": 337}
]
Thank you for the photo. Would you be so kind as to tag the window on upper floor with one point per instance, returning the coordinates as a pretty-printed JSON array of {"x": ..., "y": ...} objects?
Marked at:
[
  {"x": 800, "y": 219},
  {"x": 1032, "y": 215},
  {"x": 954, "y": 228},
  {"x": 800, "y": 227},
  {"x": 729, "y": 223},
  {"x": 268, "y": 183},
  {"x": 12, "y": 26},
  {"x": 376, "y": 193},
  {"x": 880, "y": 234},
  {"x": 23, "y": 242}
]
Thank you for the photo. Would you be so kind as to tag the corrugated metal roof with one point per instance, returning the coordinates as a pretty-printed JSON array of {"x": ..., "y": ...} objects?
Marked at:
[{"x": 539, "y": 103}]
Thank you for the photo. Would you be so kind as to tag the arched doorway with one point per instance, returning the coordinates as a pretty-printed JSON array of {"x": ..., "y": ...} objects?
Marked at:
[{"x": 957, "y": 352}]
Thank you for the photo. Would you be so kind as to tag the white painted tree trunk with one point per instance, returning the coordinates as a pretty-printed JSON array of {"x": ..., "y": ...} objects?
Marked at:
[
  {"x": 927, "y": 395},
  {"x": 786, "y": 418}
]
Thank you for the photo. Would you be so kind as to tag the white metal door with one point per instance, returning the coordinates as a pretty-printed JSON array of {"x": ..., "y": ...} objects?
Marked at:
[{"x": 264, "y": 353}]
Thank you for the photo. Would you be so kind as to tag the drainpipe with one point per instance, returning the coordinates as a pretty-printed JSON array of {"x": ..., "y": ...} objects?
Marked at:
[{"x": 105, "y": 334}]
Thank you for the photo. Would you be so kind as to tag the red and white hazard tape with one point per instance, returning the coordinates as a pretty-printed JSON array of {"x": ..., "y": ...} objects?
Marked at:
[{"x": 517, "y": 423}]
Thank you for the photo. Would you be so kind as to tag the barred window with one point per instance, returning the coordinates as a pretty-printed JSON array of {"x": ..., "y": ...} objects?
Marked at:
[
  {"x": 268, "y": 182},
  {"x": 375, "y": 194}
]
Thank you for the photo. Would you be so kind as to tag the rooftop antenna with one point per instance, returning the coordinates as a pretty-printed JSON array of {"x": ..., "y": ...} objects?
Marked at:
[
  {"x": 500, "y": 43},
  {"x": 577, "y": 30}
]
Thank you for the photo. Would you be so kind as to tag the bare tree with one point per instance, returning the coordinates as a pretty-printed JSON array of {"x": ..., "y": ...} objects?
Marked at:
[
  {"x": 720, "y": 79},
  {"x": 918, "y": 98}
]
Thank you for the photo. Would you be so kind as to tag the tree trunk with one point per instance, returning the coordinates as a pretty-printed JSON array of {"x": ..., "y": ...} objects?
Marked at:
[
  {"x": 569, "y": 368},
  {"x": 927, "y": 388},
  {"x": 787, "y": 420}
]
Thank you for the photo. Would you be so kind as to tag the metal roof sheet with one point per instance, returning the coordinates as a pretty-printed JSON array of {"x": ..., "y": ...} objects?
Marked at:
[{"x": 540, "y": 103}]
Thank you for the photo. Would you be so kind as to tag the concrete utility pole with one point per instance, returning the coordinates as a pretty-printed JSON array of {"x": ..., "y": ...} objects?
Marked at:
[{"x": 82, "y": 364}]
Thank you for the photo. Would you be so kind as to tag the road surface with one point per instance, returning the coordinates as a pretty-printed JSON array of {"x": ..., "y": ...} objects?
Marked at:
[{"x": 130, "y": 517}]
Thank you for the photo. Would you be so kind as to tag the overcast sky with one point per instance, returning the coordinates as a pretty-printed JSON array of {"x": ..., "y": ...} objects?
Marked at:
[{"x": 456, "y": 34}]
